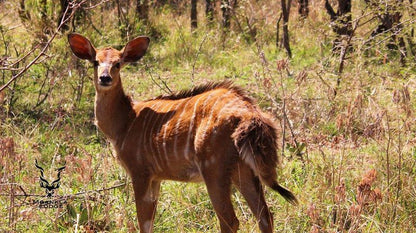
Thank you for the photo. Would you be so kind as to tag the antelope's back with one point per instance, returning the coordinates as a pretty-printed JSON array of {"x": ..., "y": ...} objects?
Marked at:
[{"x": 179, "y": 127}]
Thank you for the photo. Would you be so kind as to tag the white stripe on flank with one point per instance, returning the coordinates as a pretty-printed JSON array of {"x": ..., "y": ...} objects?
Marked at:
[
  {"x": 178, "y": 123},
  {"x": 139, "y": 141},
  {"x": 167, "y": 125},
  {"x": 191, "y": 125},
  {"x": 210, "y": 116},
  {"x": 163, "y": 113},
  {"x": 206, "y": 101},
  {"x": 225, "y": 107},
  {"x": 148, "y": 140},
  {"x": 127, "y": 133}
]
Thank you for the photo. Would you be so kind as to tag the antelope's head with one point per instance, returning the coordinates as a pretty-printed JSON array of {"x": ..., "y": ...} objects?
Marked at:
[{"x": 107, "y": 61}]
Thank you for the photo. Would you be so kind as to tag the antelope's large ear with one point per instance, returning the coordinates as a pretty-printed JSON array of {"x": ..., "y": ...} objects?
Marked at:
[
  {"x": 135, "y": 49},
  {"x": 81, "y": 47}
]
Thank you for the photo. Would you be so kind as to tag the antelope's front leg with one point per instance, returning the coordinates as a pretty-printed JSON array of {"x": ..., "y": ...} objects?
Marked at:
[{"x": 146, "y": 193}]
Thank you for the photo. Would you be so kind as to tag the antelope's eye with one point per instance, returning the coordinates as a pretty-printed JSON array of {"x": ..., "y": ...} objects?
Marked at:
[
  {"x": 96, "y": 63},
  {"x": 117, "y": 65}
]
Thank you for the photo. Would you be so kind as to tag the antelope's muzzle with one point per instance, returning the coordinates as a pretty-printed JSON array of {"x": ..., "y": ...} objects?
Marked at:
[{"x": 105, "y": 80}]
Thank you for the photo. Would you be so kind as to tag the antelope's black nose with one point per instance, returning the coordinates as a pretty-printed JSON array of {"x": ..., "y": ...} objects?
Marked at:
[{"x": 105, "y": 80}]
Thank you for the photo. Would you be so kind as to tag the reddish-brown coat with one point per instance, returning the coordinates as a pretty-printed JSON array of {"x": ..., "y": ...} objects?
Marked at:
[{"x": 213, "y": 133}]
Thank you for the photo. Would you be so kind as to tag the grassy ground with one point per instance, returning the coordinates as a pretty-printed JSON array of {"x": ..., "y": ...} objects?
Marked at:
[{"x": 350, "y": 157}]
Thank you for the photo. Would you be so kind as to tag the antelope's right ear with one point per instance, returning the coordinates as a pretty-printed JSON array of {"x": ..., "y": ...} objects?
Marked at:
[
  {"x": 135, "y": 49},
  {"x": 81, "y": 47}
]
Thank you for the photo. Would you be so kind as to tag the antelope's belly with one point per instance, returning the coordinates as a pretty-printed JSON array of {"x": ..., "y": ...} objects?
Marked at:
[{"x": 189, "y": 173}]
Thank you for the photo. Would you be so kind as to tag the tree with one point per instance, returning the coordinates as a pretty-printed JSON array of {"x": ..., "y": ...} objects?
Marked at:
[
  {"x": 209, "y": 10},
  {"x": 285, "y": 13},
  {"x": 303, "y": 8},
  {"x": 340, "y": 21},
  {"x": 194, "y": 20},
  {"x": 389, "y": 16},
  {"x": 227, "y": 6},
  {"x": 142, "y": 10}
]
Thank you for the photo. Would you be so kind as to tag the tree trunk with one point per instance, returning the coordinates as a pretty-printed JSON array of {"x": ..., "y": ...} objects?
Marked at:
[
  {"x": 341, "y": 21},
  {"x": 194, "y": 20},
  {"x": 278, "y": 31},
  {"x": 209, "y": 10},
  {"x": 390, "y": 23},
  {"x": 142, "y": 10},
  {"x": 303, "y": 8},
  {"x": 285, "y": 13},
  {"x": 227, "y": 6},
  {"x": 64, "y": 6}
]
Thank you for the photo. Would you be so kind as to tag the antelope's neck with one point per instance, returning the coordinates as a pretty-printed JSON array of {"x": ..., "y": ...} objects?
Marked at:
[{"x": 113, "y": 114}]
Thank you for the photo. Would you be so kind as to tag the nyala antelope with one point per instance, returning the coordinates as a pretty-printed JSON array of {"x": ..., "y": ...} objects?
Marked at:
[{"x": 212, "y": 133}]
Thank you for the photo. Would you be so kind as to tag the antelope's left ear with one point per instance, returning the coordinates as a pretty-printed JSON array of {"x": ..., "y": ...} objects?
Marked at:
[{"x": 135, "y": 49}]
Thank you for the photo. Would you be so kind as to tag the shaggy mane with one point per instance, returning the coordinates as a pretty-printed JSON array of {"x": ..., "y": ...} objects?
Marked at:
[{"x": 204, "y": 88}]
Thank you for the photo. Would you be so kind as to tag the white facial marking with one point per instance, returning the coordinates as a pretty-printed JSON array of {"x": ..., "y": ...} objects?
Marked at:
[{"x": 104, "y": 64}]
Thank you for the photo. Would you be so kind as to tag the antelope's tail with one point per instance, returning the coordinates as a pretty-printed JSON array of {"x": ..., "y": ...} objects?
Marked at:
[{"x": 256, "y": 141}]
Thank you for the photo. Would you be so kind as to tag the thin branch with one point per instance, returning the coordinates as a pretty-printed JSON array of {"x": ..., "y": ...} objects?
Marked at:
[
  {"x": 196, "y": 57},
  {"x": 169, "y": 91},
  {"x": 19, "y": 60},
  {"x": 46, "y": 46},
  {"x": 95, "y": 5}
]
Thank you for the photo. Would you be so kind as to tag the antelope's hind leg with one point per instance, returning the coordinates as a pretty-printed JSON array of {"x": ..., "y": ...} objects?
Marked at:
[
  {"x": 218, "y": 181},
  {"x": 250, "y": 187},
  {"x": 146, "y": 193}
]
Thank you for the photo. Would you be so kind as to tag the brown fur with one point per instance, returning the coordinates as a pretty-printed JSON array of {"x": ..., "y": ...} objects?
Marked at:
[
  {"x": 227, "y": 84},
  {"x": 213, "y": 133}
]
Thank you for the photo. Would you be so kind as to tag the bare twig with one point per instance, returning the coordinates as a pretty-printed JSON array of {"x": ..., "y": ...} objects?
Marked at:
[
  {"x": 96, "y": 5},
  {"x": 9, "y": 67},
  {"x": 165, "y": 85},
  {"x": 46, "y": 46},
  {"x": 196, "y": 57},
  {"x": 344, "y": 52},
  {"x": 389, "y": 141}
]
